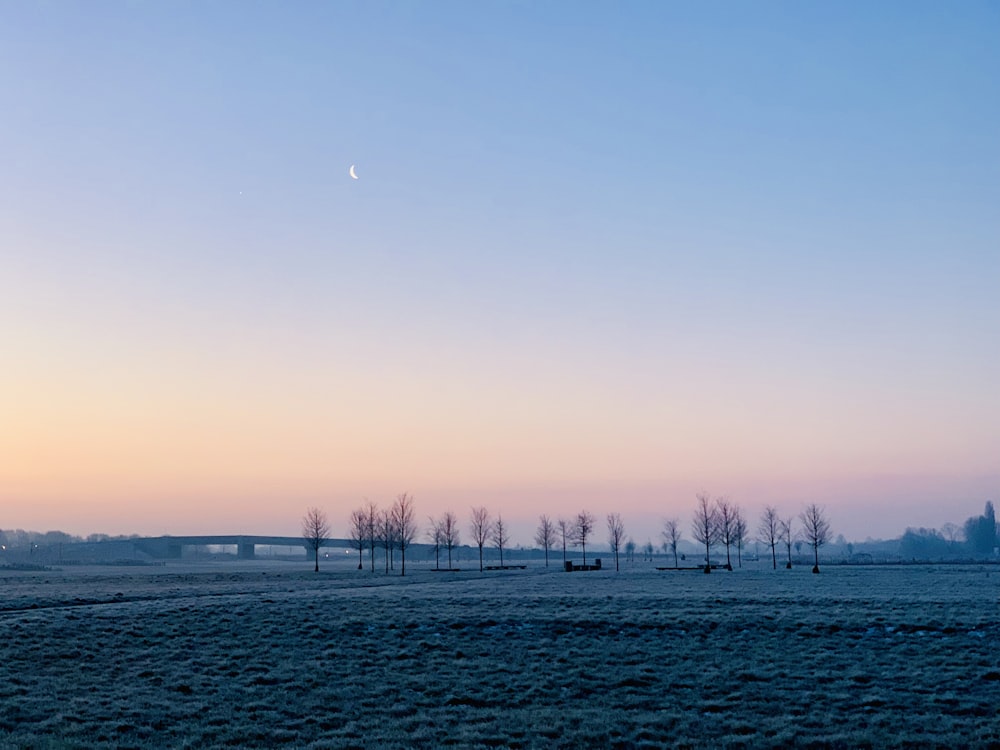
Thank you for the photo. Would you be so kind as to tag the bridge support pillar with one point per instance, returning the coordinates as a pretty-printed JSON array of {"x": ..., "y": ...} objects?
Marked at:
[{"x": 245, "y": 551}]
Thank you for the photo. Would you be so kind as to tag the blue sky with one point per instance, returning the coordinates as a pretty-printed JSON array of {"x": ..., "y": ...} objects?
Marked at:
[{"x": 750, "y": 247}]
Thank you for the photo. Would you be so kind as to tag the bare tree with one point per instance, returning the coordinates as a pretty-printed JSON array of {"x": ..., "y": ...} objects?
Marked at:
[
  {"x": 705, "y": 528},
  {"x": 671, "y": 536},
  {"x": 788, "y": 538},
  {"x": 630, "y": 551},
  {"x": 725, "y": 513},
  {"x": 769, "y": 530},
  {"x": 816, "y": 529},
  {"x": 387, "y": 536},
  {"x": 480, "y": 530},
  {"x": 499, "y": 535},
  {"x": 545, "y": 537},
  {"x": 616, "y": 534},
  {"x": 582, "y": 530},
  {"x": 434, "y": 534},
  {"x": 739, "y": 535},
  {"x": 359, "y": 532},
  {"x": 565, "y": 532},
  {"x": 371, "y": 529},
  {"x": 405, "y": 526},
  {"x": 315, "y": 530},
  {"x": 449, "y": 533}
]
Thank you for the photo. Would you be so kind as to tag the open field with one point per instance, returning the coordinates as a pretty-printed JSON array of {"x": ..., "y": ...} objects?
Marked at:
[{"x": 266, "y": 654}]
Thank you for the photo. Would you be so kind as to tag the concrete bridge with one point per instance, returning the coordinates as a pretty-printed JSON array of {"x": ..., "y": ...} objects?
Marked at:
[{"x": 172, "y": 547}]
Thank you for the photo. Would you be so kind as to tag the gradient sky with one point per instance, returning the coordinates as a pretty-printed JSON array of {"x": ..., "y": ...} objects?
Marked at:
[{"x": 600, "y": 255}]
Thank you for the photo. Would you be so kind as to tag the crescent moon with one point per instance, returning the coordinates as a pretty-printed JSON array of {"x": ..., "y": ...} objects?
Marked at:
[{"x": 351, "y": 172}]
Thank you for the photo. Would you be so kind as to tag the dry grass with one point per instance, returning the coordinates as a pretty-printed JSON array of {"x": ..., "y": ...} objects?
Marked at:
[{"x": 266, "y": 656}]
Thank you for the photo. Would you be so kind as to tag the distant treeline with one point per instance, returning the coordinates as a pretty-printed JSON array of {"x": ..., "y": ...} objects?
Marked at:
[
  {"x": 19, "y": 539},
  {"x": 976, "y": 538}
]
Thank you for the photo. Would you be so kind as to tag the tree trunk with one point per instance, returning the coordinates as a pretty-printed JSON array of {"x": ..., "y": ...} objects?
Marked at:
[
  {"x": 774, "y": 557},
  {"x": 480, "y": 559},
  {"x": 816, "y": 558},
  {"x": 584, "y": 546},
  {"x": 708, "y": 557},
  {"x": 316, "y": 569}
]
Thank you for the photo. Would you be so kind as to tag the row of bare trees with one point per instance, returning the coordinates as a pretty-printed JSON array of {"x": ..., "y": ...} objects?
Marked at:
[
  {"x": 720, "y": 521},
  {"x": 774, "y": 530},
  {"x": 393, "y": 529},
  {"x": 715, "y": 522},
  {"x": 576, "y": 532}
]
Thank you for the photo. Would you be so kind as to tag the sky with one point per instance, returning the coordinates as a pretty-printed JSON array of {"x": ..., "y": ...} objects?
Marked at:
[{"x": 598, "y": 256}]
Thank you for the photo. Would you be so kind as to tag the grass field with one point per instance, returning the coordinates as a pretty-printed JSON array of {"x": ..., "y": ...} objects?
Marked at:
[{"x": 267, "y": 654}]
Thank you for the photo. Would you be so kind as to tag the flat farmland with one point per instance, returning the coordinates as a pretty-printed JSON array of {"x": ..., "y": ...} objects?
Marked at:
[{"x": 269, "y": 654}]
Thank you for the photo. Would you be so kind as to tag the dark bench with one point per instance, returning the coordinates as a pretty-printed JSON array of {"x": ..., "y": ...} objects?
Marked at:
[{"x": 569, "y": 566}]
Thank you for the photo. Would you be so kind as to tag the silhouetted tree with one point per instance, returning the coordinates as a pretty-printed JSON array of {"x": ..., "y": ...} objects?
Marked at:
[
  {"x": 499, "y": 535},
  {"x": 480, "y": 530},
  {"x": 565, "y": 532},
  {"x": 671, "y": 537},
  {"x": 981, "y": 531},
  {"x": 582, "y": 530},
  {"x": 371, "y": 529},
  {"x": 387, "y": 536},
  {"x": 405, "y": 526},
  {"x": 788, "y": 537},
  {"x": 725, "y": 514},
  {"x": 449, "y": 533},
  {"x": 545, "y": 536},
  {"x": 739, "y": 535},
  {"x": 434, "y": 535},
  {"x": 769, "y": 530},
  {"x": 816, "y": 530},
  {"x": 705, "y": 528},
  {"x": 315, "y": 530},
  {"x": 359, "y": 532},
  {"x": 616, "y": 533},
  {"x": 630, "y": 551}
]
